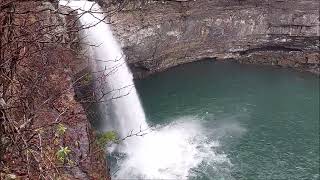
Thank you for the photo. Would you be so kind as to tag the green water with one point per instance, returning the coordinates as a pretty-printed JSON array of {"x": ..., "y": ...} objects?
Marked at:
[{"x": 265, "y": 119}]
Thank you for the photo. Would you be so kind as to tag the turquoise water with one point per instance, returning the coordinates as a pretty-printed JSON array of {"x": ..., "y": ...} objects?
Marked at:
[{"x": 265, "y": 119}]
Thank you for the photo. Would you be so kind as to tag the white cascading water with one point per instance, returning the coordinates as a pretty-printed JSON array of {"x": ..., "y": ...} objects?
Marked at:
[
  {"x": 169, "y": 152},
  {"x": 118, "y": 86}
]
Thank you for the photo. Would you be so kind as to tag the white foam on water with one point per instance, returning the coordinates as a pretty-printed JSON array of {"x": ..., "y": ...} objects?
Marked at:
[{"x": 170, "y": 152}]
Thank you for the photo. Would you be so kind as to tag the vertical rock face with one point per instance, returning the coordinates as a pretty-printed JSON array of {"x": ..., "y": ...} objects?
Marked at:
[
  {"x": 161, "y": 34},
  {"x": 39, "y": 114}
]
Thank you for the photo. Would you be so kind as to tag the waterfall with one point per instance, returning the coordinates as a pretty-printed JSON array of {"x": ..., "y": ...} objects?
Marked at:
[
  {"x": 168, "y": 152},
  {"x": 122, "y": 108}
]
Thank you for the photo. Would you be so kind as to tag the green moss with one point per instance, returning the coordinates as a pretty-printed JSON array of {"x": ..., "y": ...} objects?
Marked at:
[{"x": 106, "y": 138}]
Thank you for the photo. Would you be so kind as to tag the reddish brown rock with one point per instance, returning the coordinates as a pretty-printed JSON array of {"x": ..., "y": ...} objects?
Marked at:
[
  {"x": 38, "y": 99},
  {"x": 313, "y": 58}
]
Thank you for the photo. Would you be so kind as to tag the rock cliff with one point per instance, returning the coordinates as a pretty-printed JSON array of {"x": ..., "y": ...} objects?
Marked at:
[
  {"x": 156, "y": 35},
  {"x": 44, "y": 130}
]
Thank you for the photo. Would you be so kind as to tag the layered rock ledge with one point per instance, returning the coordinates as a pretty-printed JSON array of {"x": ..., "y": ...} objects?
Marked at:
[{"x": 157, "y": 35}]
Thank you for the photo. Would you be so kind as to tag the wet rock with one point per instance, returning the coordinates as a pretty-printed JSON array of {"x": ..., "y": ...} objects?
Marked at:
[{"x": 160, "y": 35}]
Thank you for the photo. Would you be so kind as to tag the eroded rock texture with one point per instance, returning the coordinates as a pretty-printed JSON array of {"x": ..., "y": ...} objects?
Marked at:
[
  {"x": 39, "y": 113},
  {"x": 157, "y": 35}
]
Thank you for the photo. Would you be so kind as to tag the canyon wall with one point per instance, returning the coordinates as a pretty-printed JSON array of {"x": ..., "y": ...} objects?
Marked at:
[
  {"x": 156, "y": 35},
  {"x": 44, "y": 129}
]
